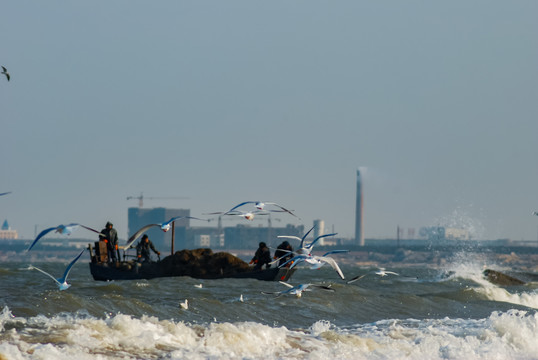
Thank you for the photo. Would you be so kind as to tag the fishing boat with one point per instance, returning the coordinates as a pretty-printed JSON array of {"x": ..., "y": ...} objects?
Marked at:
[{"x": 198, "y": 263}]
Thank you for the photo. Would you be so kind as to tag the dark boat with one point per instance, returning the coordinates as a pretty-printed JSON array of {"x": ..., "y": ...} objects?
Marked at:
[{"x": 198, "y": 263}]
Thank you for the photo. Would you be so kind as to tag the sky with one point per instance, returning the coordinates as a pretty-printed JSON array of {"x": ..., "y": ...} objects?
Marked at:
[{"x": 220, "y": 102}]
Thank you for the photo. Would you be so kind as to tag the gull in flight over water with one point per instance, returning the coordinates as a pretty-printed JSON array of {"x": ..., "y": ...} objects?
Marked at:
[
  {"x": 184, "y": 304},
  {"x": 260, "y": 205},
  {"x": 62, "y": 282},
  {"x": 164, "y": 227},
  {"x": 61, "y": 229},
  {"x": 5, "y": 193},
  {"x": 4, "y": 71},
  {"x": 382, "y": 272},
  {"x": 297, "y": 290}
]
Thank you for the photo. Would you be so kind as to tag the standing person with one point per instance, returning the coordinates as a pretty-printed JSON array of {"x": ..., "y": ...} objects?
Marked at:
[
  {"x": 261, "y": 257},
  {"x": 110, "y": 236},
  {"x": 284, "y": 252},
  {"x": 143, "y": 247}
]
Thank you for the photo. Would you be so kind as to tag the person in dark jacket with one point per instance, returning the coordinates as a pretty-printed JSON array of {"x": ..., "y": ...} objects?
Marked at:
[
  {"x": 284, "y": 252},
  {"x": 110, "y": 236},
  {"x": 143, "y": 247},
  {"x": 261, "y": 257}
]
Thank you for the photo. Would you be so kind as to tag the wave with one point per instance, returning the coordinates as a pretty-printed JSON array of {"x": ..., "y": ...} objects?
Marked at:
[{"x": 510, "y": 334}]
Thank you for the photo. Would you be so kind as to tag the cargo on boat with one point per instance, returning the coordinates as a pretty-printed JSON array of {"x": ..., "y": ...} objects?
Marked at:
[{"x": 198, "y": 263}]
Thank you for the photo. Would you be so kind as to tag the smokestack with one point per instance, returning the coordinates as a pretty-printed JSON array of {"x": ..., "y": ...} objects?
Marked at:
[{"x": 359, "y": 236}]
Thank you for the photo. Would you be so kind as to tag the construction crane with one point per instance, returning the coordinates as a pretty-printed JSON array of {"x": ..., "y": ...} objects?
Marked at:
[{"x": 141, "y": 198}]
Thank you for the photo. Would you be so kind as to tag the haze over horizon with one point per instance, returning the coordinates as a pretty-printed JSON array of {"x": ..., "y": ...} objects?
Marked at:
[{"x": 225, "y": 102}]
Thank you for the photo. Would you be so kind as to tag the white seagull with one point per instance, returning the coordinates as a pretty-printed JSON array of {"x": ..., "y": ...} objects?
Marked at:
[
  {"x": 4, "y": 71},
  {"x": 297, "y": 290},
  {"x": 382, "y": 272},
  {"x": 165, "y": 226},
  {"x": 184, "y": 304},
  {"x": 62, "y": 282},
  {"x": 260, "y": 205},
  {"x": 249, "y": 215},
  {"x": 61, "y": 229}
]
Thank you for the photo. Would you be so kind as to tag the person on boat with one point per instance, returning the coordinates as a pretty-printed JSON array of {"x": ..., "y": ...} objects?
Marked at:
[
  {"x": 261, "y": 257},
  {"x": 284, "y": 252},
  {"x": 110, "y": 236},
  {"x": 143, "y": 247}
]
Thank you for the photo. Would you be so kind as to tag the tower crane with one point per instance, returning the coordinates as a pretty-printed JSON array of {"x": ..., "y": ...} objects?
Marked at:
[{"x": 141, "y": 198}]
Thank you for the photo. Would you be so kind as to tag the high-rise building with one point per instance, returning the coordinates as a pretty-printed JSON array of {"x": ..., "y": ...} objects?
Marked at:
[
  {"x": 359, "y": 234},
  {"x": 139, "y": 217}
]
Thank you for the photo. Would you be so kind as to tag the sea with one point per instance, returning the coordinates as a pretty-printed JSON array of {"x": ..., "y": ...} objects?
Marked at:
[{"x": 424, "y": 312}]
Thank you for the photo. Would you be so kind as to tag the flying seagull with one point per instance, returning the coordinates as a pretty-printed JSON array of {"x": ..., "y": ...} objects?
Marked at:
[
  {"x": 4, "y": 71},
  {"x": 5, "y": 193},
  {"x": 382, "y": 272},
  {"x": 184, "y": 304},
  {"x": 164, "y": 227},
  {"x": 249, "y": 215},
  {"x": 317, "y": 262},
  {"x": 61, "y": 229},
  {"x": 297, "y": 290},
  {"x": 260, "y": 205},
  {"x": 62, "y": 282}
]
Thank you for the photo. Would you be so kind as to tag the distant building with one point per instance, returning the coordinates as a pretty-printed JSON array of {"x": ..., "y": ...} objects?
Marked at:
[
  {"x": 442, "y": 233},
  {"x": 359, "y": 203},
  {"x": 319, "y": 229},
  {"x": 139, "y": 217},
  {"x": 6, "y": 233}
]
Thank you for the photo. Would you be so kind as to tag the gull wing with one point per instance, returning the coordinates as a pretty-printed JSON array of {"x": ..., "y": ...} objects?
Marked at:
[
  {"x": 137, "y": 234},
  {"x": 243, "y": 203},
  {"x": 333, "y": 263},
  {"x": 89, "y": 228},
  {"x": 68, "y": 268},
  {"x": 296, "y": 259},
  {"x": 335, "y": 252},
  {"x": 282, "y": 208},
  {"x": 316, "y": 239},
  {"x": 41, "y": 234},
  {"x": 328, "y": 288},
  {"x": 356, "y": 278},
  {"x": 181, "y": 217},
  {"x": 46, "y": 273},
  {"x": 5, "y": 193},
  {"x": 305, "y": 235}
]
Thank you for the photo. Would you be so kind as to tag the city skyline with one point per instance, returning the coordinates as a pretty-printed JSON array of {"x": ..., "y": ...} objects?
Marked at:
[{"x": 225, "y": 102}]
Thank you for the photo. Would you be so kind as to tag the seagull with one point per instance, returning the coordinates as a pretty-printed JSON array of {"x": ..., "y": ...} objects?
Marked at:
[
  {"x": 62, "y": 282},
  {"x": 249, "y": 215},
  {"x": 260, "y": 205},
  {"x": 184, "y": 304},
  {"x": 199, "y": 286},
  {"x": 61, "y": 229},
  {"x": 5, "y": 193},
  {"x": 297, "y": 290},
  {"x": 381, "y": 272},
  {"x": 241, "y": 298},
  {"x": 4, "y": 71},
  {"x": 317, "y": 262},
  {"x": 164, "y": 227}
]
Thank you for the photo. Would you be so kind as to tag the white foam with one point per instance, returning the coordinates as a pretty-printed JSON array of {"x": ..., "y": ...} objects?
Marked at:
[{"x": 502, "y": 335}]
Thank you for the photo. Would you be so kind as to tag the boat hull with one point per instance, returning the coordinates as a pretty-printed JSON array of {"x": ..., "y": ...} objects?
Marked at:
[{"x": 135, "y": 271}]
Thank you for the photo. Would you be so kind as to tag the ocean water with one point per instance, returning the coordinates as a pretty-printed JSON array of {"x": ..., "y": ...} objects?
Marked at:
[{"x": 423, "y": 313}]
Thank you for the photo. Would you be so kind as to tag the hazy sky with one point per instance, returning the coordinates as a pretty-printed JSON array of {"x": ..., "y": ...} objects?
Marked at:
[{"x": 229, "y": 101}]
